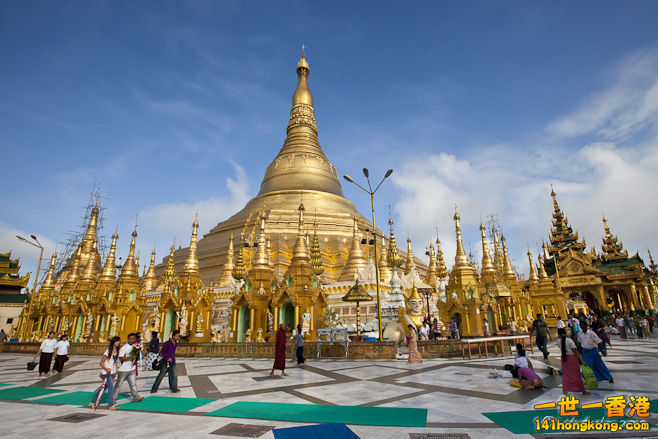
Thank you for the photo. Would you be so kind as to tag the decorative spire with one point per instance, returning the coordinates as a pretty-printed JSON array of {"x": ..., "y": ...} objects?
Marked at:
[
  {"x": 488, "y": 269},
  {"x": 90, "y": 272},
  {"x": 542, "y": 270},
  {"x": 192, "y": 261},
  {"x": 269, "y": 251},
  {"x": 612, "y": 249},
  {"x": 410, "y": 263},
  {"x": 239, "y": 270},
  {"x": 430, "y": 277},
  {"x": 262, "y": 261},
  {"x": 300, "y": 250},
  {"x": 316, "y": 255},
  {"x": 460, "y": 258},
  {"x": 75, "y": 271},
  {"x": 498, "y": 254},
  {"x": 227, "y": 269},
  {"x": 394, "y": 259},
  {"x": 533, "y": 273},
  {"x": 150, "y": 281},
  {"x": 109, "y": 273},
  {"x": 130, "y": 269},
  {"x": 508, "y": 272},
  {"x": 301, "y": 163},
  {"x": 170, "y": 276},
  {"x": 441, "y": 269},
  {"x": 652, "y": 265},
  {"x": 385, "y": 272},
  {"x": 562, "y": 235},
  {"x": 49, "y": 283},
  {"x": 356, "y": 260}
]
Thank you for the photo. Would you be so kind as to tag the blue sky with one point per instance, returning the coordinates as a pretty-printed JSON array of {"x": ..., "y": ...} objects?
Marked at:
[{"x": 178, "y": 107}]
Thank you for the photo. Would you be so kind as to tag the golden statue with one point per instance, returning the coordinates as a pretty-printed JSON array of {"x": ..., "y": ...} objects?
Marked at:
[
  {"x": 411, "y": 315},
  {"x": 259, "y": 336}
]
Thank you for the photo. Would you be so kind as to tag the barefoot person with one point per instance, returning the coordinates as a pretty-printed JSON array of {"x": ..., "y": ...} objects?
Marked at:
[
  {"x": 127, "y": 370},
  {"x": 45, "y": 354},
  {"x": 61, "y": 353},
  {"x": 280, "y": 351},
  {"x": 108, "y": 372},
  {"x": 168, "y": 353},
  {"x": 414, "y": 355},
  {"x": 572, "y": 380}
]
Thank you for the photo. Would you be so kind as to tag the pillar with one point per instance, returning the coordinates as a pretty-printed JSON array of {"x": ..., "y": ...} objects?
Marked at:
[
  {"x": 647, "y": 297},
  {"x": 296, "y": 316},
  {"x": 634, "y": 299},
  {"x": 123, "y": 323},
  {"x": 192, "y": 323},
  {"x": 276, "y": 319},
  {"x": 56, "y": 327},
  {"x": 39, "y": 324},
  {"x": 603, "y": 299},
  {"x": 252, "y": 320},
  {"x": 234, "y": 321}
]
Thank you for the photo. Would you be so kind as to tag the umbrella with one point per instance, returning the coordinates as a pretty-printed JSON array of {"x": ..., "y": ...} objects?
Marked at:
[
  {"x": 100, "y": 392},
  {"x": 357, "y": 294}
]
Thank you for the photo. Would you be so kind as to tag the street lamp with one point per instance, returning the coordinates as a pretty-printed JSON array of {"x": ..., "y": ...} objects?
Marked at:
[
  {"x": 37, "y": 244},
  {"x": 366, "y": 173}
]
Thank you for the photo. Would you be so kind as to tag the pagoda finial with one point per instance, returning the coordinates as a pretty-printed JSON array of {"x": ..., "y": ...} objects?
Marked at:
[
  {"x": 460, "y": 257},
  {"x": 262, "y": 260},
  {"x": 533, "y": 273},
  {"x": 109, "y": 269},
  {"x": 394, "y": 259},
  {"x": 49, "y": 283},
  {"x": 192, "y": 261},
  {"x": 488, "y": 270},
  {"x": 508, "y": 272},
  {"x": 441, "y": 269},
  {"x": 356, "y": 260},
  {"x": 430, "y": 278},
  {"x": 150, "y": 280},
  {"x": 542, "y": 270},
  {"x": 316, "y": 254},
  {"x": 410, "y": 263},
  {"x": 300, "y": 250},
  {"x": 239, "y": 270}
]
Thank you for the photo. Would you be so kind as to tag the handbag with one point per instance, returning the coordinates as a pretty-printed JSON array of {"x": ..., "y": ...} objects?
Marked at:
[
  {"x": 158, "y": 363},
  {"x": 31, "y": 365},
  {"x": 589, "y": 377}
]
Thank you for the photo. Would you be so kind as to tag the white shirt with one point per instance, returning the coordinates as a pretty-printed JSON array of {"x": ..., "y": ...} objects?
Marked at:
[
  {"x": 127, "y": 365},
  {"x": 424, "y": 330},
  {"x": 521, "y": 361},
  {"x": 48, "y": 345},
  {"x": 109, "y": 363},
  {"x": 588, "y": 340},
  {"x": 620, "y": 322},
  {"x": 569, "y": 345},
  {"x": 63, "y": 347},
  {"x": 560, "y": 324}
]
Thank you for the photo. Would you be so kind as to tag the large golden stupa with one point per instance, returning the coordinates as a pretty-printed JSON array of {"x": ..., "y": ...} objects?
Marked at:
[{"x": 301, "y": 172}]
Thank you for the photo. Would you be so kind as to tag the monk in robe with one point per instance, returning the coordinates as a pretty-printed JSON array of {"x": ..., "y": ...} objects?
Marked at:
[{"x": 280, "y": 352}]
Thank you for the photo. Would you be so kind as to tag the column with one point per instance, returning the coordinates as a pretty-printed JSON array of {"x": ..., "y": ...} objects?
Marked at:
[
  {"x": 296, "y": 317},
  {"x": 276, "y": 319},
  {"x": 312, "y": 325},
  {"x": 56, "y": 327},
  {"x": 123, "y": 323},
  {"x": 647, "y": 297},
  {"x": 192, "y": 323},
  {"x": 252, "y": 321},
  {"x": 603, "y": 299},
  {"x": 234, "y": 322},
  {"x": 38, "y": 325},
  {"x": 634, "y": 299}
]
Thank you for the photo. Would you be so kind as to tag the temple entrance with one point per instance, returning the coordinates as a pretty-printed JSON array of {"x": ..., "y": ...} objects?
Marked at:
[
  {"x": 170, "y": 324},
  {"x": 287, "y": 315},
  {"x": 243, "y": 322},
  {"x": 457, "y": 317},
  {"x": 493, "y": 327}
]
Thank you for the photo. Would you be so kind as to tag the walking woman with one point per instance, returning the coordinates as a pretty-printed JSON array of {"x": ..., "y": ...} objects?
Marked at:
[
  {"x": 572, "y": 380},
  {"x": 300, "y": 346},
  {"x": 61, "y": 353},
  {"x": 46, "y": 351},
  {"x": 153, "y": 351},
  {"x": 590, "y": 344},
  {"x": 414, "y": 355},
  {"x": 108, "y": 372}
]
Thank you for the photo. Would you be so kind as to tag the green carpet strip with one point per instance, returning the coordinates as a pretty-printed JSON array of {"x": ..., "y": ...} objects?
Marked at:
[
  {"x": 166, "y": 404},
  {"x": 355, "y": 415},
  {"x": 18, "y": 393},
  {"x": 78, "y": 398}
]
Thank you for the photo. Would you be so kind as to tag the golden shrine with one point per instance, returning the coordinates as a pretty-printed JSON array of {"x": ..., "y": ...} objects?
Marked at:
[{"x": 267, "y": 265}]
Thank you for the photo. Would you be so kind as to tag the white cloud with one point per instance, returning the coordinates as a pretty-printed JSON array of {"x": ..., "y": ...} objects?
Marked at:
[
  {"x": 627, "y": 106},
  {"x": 514, "y": 180}
]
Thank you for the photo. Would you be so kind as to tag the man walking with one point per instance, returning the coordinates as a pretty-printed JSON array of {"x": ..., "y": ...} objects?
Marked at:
[
  {"x": 128, "y": 369},
  {"x": 541, "y": 328},
  {"x": 168, "y": 353}
]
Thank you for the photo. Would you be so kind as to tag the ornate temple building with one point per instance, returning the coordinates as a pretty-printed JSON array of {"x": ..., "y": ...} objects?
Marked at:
[
  {"x": 11, "y": 299},
  {"x": 295, "y": 250}
]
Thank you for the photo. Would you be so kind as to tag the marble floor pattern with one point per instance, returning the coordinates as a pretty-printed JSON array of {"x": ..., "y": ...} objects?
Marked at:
[{"x": 455, "y": 391}]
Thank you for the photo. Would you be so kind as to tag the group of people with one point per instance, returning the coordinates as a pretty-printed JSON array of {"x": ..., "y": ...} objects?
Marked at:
[
  {"x": 52, "y": 348},
  {"x": 635, "y": 326}
]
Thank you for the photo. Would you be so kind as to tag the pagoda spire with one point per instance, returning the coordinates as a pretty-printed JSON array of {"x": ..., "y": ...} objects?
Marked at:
[
  {"x": 356, "y": 260},
  {"x": 533, "y": 273},
  {"x": 385, "y": 272},
  {"x": 542, "y": 270},
  {"x": 652, "y": 265},
  {"x": 262, "y": 260},
  {"x": 150, "y": 281},
  {"x": 498, "y": 254},
  {"x": 49, "y": 283},
  {"x": 430, "y": 277},
  {"x": 239, "y": 270},
  {"x": 612, "y": 249},
  {"x": 562, "y": 235},
  {"x": 90, "y": 272},
  {"x": 441, "y": 269},
  {"x": 109, "y": 273},
  {"x": 410, "y": 264},
  {"x": 192, "y": 262},
  {"x": 508, "y": 272},
  {"x": 461, "y": 260},
  {"x": 74, "y": 276},
  {"x": 170, "y": 276},
  {"x": 301, "y": 161},
  {"x": 130, "y": 269},
  {"x": 488, "y": 270},
  {"x": 394, "y": 259},
  {"x": 227, "y": 268},
  {"x": 316, "y": 253},
  {"x": 300, "y": 250}
]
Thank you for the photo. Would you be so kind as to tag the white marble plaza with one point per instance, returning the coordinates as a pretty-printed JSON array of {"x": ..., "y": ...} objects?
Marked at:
[{"x": 454, "y": 391}]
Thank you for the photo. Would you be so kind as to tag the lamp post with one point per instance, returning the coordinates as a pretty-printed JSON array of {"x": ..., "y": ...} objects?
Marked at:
[
  {"x": 374, "y": 232},
  {"x": 37, "y": 244}
]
